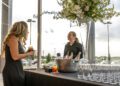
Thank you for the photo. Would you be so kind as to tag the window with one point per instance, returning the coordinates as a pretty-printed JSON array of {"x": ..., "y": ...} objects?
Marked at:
[
  {"x": 25, "y": 10},
  {"x": 54, "y": 32}
]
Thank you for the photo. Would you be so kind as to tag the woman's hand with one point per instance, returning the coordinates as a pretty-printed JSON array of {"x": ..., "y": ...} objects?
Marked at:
[{"x": 30, "y": 53}]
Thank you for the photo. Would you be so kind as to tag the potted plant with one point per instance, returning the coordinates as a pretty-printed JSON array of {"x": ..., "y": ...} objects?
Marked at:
[{"x": 83, "y": 11}]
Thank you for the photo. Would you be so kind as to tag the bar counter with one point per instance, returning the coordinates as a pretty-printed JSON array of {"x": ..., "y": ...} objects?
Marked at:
[{"x": 41, "y": 78}]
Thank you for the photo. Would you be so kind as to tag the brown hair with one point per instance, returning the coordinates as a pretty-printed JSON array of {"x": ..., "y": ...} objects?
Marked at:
[
  {"x": 18, "y": 29},
  {"x": 74, "y": 34}
]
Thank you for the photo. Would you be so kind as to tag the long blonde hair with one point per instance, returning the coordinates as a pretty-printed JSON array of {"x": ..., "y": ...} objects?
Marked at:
[{"x": 19, "y": 30}]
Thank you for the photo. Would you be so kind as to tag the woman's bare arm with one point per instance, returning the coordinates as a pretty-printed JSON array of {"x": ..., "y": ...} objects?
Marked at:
[{"x": 13, "y": 44}]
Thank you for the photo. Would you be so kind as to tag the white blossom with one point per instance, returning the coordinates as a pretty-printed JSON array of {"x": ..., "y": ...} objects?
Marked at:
[
  {"x": 77, "y": 7},
  {"x": 87, "y": 8},
  {"x": 95, "y": 1}
]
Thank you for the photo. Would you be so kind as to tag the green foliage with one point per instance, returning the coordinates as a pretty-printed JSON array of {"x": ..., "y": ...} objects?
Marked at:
[
  {"x": 31, "y": 57},
  {"x": 85, "y": 10},
  {"x": 100, "y": 59},
  {"x": 105, "y": 58},
  {"x": 48, "y": 58}
]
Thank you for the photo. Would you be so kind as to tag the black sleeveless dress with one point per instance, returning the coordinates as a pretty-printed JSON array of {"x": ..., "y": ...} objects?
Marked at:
[{"x": 13, "y": 74}]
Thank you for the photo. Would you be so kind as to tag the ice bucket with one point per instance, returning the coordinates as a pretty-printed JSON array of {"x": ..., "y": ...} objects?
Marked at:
[{"x": 67, "y": 65}]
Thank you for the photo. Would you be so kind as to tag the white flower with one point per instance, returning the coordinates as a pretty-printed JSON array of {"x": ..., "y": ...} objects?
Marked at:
[
  {"x": 77, "y": 7},
  {"x": 93, "y": 15},
  {"x": 82, "y": 0},
  {"x": 82, "y": 15},
  {"x": 95, "y": 1},
  {"x": 69, "y": 1},
  {"x": 87, "y": 8},
  {"x": 78, "y": 15},
  {"x": 79, "y": 10}
]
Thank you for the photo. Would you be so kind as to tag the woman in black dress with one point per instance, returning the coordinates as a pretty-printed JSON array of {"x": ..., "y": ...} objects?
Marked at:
[
  {"x": 73, "y": 46},
  {"x": 13, "y": 74}
]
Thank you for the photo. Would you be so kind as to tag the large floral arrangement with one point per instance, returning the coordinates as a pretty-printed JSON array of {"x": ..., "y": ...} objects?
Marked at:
[{"x": 86, "y": 10}]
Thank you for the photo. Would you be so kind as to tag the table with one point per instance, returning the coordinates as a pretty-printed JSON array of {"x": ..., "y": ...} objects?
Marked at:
[{"x": 41, "y": 78}]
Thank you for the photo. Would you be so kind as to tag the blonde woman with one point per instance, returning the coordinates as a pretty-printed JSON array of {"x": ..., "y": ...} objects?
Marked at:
[{"x": 13, "y": 74}]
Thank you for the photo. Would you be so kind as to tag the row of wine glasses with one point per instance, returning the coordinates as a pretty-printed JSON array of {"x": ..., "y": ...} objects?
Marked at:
[{"x": 109, "y": 74}]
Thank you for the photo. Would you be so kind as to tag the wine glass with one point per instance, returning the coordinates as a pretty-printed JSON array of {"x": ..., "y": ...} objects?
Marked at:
[{"x": 80, "y": 71}]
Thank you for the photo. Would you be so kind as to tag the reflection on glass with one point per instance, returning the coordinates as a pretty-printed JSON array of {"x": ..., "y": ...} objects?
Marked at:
[{"x": 108, "y": 74}]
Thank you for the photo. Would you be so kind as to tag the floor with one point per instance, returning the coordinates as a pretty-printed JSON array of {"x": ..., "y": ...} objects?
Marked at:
[{"x": 1, "y": 81}]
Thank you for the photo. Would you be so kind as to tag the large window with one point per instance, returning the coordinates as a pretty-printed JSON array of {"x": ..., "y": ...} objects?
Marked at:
[
  {"x": 54, "y": 32},
  {"x": 25, "y": 10}
]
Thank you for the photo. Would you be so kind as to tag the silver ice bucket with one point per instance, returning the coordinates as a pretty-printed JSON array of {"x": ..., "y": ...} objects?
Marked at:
[{"x": 67, "y": 65}]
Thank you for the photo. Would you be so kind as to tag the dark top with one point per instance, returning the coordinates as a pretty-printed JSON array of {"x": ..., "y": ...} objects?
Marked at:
[
  {"x": 75, "y": 49},
  {"x": 13, "y": 74}
]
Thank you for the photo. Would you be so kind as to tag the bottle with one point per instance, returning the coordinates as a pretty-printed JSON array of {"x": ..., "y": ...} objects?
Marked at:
[
  {"x": 67, "y": 55},
  {"x": 77, "y": 58},
  {"x": 71, "y": 55},
  {"x": 30, "y": 48}
]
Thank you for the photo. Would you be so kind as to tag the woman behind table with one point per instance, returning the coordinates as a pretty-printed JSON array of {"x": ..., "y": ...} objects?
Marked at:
[
  {"x": 13, "y": 74},
  {"x": 73, "y": 46}
]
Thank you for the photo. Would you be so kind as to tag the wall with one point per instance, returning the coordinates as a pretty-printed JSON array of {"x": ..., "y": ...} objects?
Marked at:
[{"x": 5, "y": 23}]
